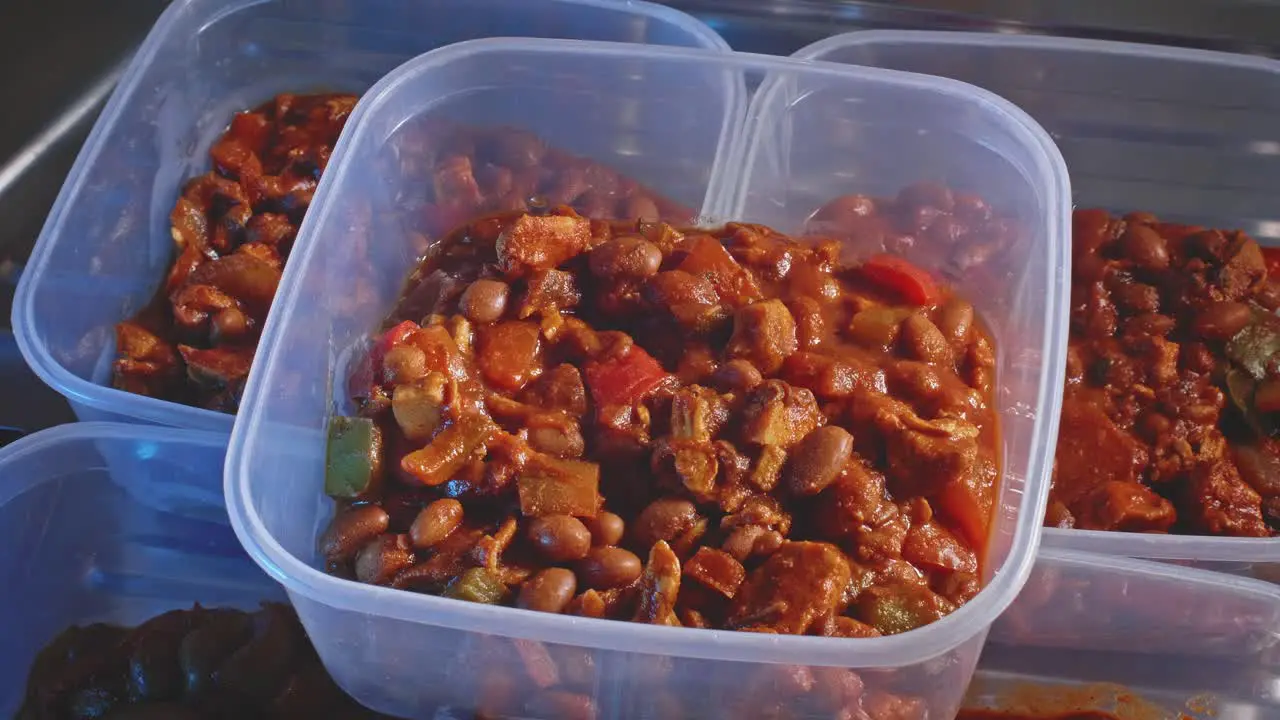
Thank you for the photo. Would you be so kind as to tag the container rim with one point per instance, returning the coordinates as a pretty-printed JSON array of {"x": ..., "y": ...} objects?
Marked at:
[
  {"x": 22, "y": 315},
  {"x": 51, "y": 438},
  {"x": 968, "y": 622},
  {"x": 1196, "y": 548},
  {"x": 817, "y": 50}
]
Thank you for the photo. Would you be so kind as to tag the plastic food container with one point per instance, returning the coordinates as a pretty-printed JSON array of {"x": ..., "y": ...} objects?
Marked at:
[
  {"x": 1143, "y": 640},
  {"x": 84, "y": 543},
  {"x": 105, "y": 247},
  {"x": 386, "y": 647},
  {"x": 1186, "y": 134}
]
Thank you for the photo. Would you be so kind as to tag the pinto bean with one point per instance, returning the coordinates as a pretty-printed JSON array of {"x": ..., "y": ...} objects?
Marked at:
[
  {"x": 628, "y": 256},
  {"x": 351, "y": 529},
  {"x": 548, "y": 591},
  {"x": 609, "y": 567},
  {"x": 663, "y": 519},
  {"x": 560, "y": 538},
  {"x": 606, "y": 528},
  {"x": 435, "y": 522},
  {"x": 484, "y": 301},
  {"x": 818, "y": 460}
]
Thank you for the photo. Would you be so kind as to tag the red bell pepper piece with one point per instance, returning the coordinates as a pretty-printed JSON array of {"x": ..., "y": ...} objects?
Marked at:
[
  {"x": 390, "y": 339},
  {"x": 1272, "y": 257},
  {"x": 624, "y": 379},
  {"x": 896, "y": 275}
]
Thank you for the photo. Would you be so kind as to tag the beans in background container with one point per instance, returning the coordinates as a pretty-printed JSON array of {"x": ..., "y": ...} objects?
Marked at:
[
  {"x": 107, "y": 246},
  {"x": 1167, "y": 450}
]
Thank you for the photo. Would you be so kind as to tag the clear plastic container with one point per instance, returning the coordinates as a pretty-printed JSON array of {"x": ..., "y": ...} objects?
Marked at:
[
  {"x": 1188, "y": 135},
  {"x": 383, "y": 645},
  {"x": 105, "y": 247},
  {"x": 1143, "y": 640},
  {"x": 85, "y": 542}
]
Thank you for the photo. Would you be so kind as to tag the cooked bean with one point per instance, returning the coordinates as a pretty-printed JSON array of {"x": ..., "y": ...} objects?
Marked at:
[
  {"x": 484, "y": 301},
  {"x": 640, "y": 207},
  {"x": 548, "y": 591},
  {"x": 562, "y": 441},
  {"x": 561, "y": 705},
  {"x": 609, "y": 567},
  {"x": 736, "y": 376},
  {"x": 1222, "y": 320},
  {"x": 923, "y": 340},
  {"x": 560, "y": 538},
  {"x": 926, "y": 194},
  {"x": 606, "y": 528},
  {"x": 229, "y": 324},
  {"x": 818, "y": 460},
  {"x": 380, "y": 559},
  {"x": 628, "y": 256},
  {"x": 663, "y": 519},
  {"x": 352, "y": 529},
  {"x": 404, "y": 364},
  {"x": 955, "y": 320},
  {"x": 1145, "y": 247},
  {"x": 435, "y": 523}
]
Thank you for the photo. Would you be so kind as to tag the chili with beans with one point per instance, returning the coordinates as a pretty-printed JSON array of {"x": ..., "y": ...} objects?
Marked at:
[
  {"x": 724, "y": 428},
  {"x": 233, "y": 229},
  {"x": 1173, "y": 382},
  {"x": 198, "y": 664}
]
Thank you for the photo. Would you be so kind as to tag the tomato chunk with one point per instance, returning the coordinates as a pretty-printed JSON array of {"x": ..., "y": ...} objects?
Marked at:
[
  {"x": 624, "y": 379},
  {"x": 896, "y": 275}
]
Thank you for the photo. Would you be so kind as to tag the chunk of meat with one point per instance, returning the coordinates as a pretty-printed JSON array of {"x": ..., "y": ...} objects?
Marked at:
[
  {"x": 925, "y": 455},
  {"x": 546, "y": 290},
  {"x": 1092, "y": 451},
  {"x": 706, "y": 257},
  {"x": 763, "y": 333},
  {"x": 244, "y": 277},
  {"x": 717, "y": 570},
  {"x": 691, "y": 299},
  {"x": 833, "y": 378},
  {"x": 1219, "y": 502},
  {"x": 541, "y": 242},
  {"x": 560, "y": 388},
  {"x": 930, "y": 545},
  {"x": 1245, "y": 267},
  {"x": 779, "y": 414},
  {"x": 798, "y": 584},
  {"x": 510, "y": 354},
  {"x": 1124, "y": 506},
  {"x": 217, "y": 367}
]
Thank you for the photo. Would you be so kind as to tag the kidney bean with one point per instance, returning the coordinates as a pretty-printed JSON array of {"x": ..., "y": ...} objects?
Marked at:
[
  {"x": 606, "y": 528},
  {"x": 352, "y": 529},
  {"x": 609, "y": 567},
  {"x": 663, "y": 519},
  {"x": 560, "y": 538},
  {"x": 1145, "y": 247},
  {"x": 380, "y": 560},
  {"x": 628, "y": 256},
  {"x": 818, "y": 460},
  {"x": 404, "y": 364},
  {"x": 925, "y": 341},
  {"x": 548, "y": 591},
  {"x": 1221, "y": 320},
  {"x": 484, "y": 301},
  {"x": 436, "y": 522}
]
